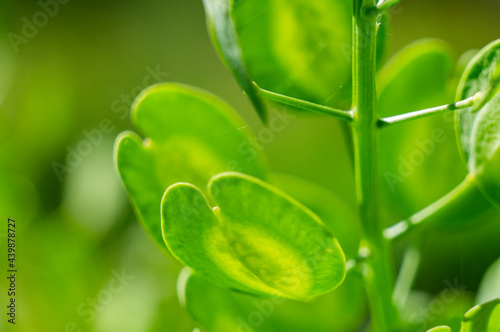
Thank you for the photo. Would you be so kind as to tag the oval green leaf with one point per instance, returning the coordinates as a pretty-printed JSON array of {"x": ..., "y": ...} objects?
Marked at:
[
  {"x": 478, "y": 128},
  {"x": 480, "y": 75},
  {"x": 190, "y": 136},
  {"x": 484, "y": 161},
  {"x": 483, "y": 318},
  {"x": 256, "y": 239}
]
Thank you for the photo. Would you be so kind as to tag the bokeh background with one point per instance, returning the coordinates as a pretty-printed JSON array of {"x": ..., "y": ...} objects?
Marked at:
[{"x": 76, "y": 230}]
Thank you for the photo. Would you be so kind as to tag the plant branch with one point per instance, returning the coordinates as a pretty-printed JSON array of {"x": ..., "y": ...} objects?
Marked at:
[
  {"x": 445, "y": 206},
  {"x": 305, "y": 105},
  {"x": 387, "y": 4},
  {"x": 469, "y": 102}
]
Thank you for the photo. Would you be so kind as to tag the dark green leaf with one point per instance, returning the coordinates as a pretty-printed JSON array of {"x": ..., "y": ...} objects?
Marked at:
[
  {"x": 256, "y": 239},
  {"x": 191, "y": 135},
  {"x": 223, "y": 33}
]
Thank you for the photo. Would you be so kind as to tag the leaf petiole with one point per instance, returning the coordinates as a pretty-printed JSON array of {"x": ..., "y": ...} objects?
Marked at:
[
  {"x": 305, "y": 105},
  {"x": 469, "y": 102},
  {"x": 448, "y": 202}
]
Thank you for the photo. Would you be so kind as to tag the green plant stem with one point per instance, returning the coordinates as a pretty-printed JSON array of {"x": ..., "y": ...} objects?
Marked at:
[
  {"x": 387, "y": 4},
  {"x": 305, "y": 105},
  {"x": 377, "y": 269},
  {"x": 385, "y": 122}
]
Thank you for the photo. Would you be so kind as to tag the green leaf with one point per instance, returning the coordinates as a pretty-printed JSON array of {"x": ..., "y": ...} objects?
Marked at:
[
  {"x": 256, "y": 239},
  {"x": 478, "y": 128},
  {"x": 223, "y": 33},
  {"x": 480, "y": 75},
  {"x": 190, "y": 136},
  {"x": 418, "y": 153},
  {"x": 440, "y": 329},
  {"x": 298, "y": 48},
  {"x": 483, "y": 318},
  {"x": 219, "y": 309}
]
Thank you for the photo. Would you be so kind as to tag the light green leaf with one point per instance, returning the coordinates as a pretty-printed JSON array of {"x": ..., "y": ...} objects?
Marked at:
[
  {"x": 478, "y": 128},
  {"x": 417, "y": 154},
  {"x": 489, "y": 289},
  {"x": 483, "y": 318},
  {"x": 223, "y": 33},
  {"x": 480, "y": 75},
  {"x": 440, "y": 329},
  {"x": 190, "y": 136},
  {"x": 484, "y": 160},
  {"x": 256, "y": 239},
  {"x": 218, "y": 309}
]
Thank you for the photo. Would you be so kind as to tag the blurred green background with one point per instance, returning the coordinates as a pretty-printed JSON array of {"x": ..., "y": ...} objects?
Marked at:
[{"x": 76, "y": 230}]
